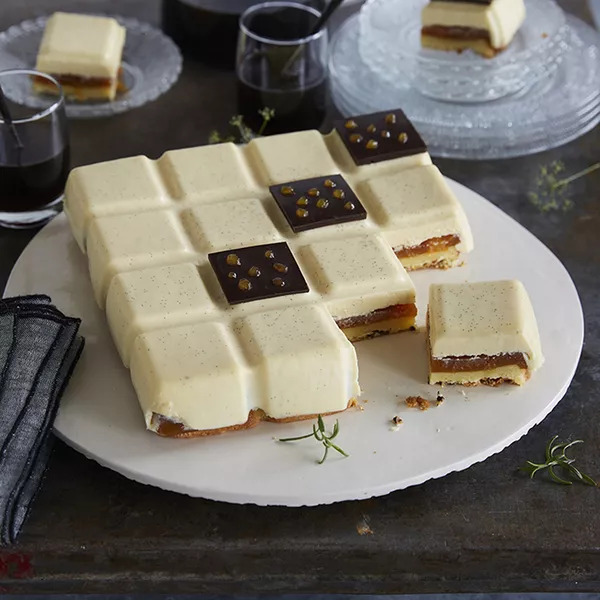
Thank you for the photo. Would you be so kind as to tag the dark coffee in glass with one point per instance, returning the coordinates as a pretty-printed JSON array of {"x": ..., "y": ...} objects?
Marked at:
[
  {"x": 281, "y": 66},
  {"x": 34, "y": 152}
]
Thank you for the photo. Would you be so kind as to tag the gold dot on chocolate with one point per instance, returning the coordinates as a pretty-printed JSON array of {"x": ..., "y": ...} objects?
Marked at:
[
  {"x": 323, "y": 202},
  {"x": 350, "y": 124},
  {"x": 302, "y": 213},
  {"x": 371, "y": 128},
  {"x": 233, "y": 260},
  {"x": 280, "y": 267},
  {"x": 278, "y": 281},
  {"x": 269, "y": 254},
  {"x": 339, "y": 194},
  {"x": 403, "y": 138},
  {"x": 245, "y": 285},
  {"x": 287, "y": 190},
  {"x": 349, "y": 206},
  {"x": 391, "y": 118},
  {"x": 329, "y": 183},
  {"x": 372, "y": 145},
  {"x": 302, "y": 201},
  {"x": 356, "y": 138},
  {"x": 232, "y": 275},
  {"x": 254, "y": 271},
  {"x": 314, "y": 193},
  {"x": 385, "y": 134}
]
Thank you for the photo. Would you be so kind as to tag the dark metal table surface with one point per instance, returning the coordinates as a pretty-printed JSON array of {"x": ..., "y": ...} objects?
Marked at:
[{"x": 485, "y": 529}]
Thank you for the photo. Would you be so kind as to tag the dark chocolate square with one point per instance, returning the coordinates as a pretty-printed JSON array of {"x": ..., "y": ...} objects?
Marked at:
[
  {"x": 380, "y": 136},
  {"x": 257, "y": 272},
  {"x": 317, "y": 202}
]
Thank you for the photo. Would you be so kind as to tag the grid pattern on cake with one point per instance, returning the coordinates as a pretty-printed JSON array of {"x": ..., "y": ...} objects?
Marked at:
[{"x": 140, "y": 219}]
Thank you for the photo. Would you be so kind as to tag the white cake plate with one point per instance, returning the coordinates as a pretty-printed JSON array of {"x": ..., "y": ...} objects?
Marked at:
[{"x": 100, "y": 416}]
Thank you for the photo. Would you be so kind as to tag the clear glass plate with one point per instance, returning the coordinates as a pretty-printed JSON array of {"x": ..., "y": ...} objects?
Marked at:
[
  {"x": 151, "y": 65},
  {"x": 390, "y": 43},
  {"x": 550, "y": 112}
]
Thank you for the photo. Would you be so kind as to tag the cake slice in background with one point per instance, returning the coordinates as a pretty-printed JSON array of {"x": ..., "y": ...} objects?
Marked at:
[
  {"x": 83, "y": 53},
  {"x": 484, "y": 26}
]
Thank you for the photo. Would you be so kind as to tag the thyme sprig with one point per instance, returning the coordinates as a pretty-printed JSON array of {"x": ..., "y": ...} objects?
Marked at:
[
  {"x": 319, "y": 433},
  {"x": 243, "y": 133},
  {"x": 552, "y": 191},
  {"x": 556, "y": 458}
]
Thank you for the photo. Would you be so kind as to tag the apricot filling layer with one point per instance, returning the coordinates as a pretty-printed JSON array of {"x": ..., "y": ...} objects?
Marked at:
[
  {"x": 78, "y": 81},
  {"x": 456, "y": 32},
  {"x": 436, "y": 244},
  {"x": 396, "y": 311},
  {"x": 482, "y": 362}
]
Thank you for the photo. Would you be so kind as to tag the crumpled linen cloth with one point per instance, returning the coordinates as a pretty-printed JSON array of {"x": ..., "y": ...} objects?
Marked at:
[{"x": 39, "y": 348}]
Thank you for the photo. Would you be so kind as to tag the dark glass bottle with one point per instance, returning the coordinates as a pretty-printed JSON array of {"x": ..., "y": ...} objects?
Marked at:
[{"x": 208, "y": 29}]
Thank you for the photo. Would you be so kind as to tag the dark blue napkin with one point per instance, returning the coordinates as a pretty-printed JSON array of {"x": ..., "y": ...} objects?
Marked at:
[{"x": 39, "y": 348}]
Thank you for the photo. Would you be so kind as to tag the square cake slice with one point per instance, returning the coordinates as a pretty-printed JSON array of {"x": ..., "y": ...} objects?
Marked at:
[
  {"x": 482, "y": 333},
  {"x": 83, "y": 53},
  {"x": 420, "y": 217},
  {"x": 484, "y": 26}
]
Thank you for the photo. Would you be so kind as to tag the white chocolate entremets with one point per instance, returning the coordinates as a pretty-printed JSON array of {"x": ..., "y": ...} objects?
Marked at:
[
  {"x": 357, "y": 275},
  {"x": 81, "y": 45},
  {"x": 302, "y": 362},
  {"x": 155, "y": 298},
  {"x": 416, "y": 205},
  {"x": 490, "y": 318},
  {"x": 501, "y": 18},
  {"x": 119, "y": 186},
  {"x": 126, "y": 242},
  {"x": 193, "y": 374}
]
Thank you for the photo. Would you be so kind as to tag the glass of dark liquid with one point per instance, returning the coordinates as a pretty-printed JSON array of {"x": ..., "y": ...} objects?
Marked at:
[
  {"x": 281, "y": 65},
  {"x": 34, "y": 151}
]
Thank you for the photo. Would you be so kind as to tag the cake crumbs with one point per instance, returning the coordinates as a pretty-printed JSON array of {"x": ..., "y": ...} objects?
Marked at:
[
  {"x": 395, "y": 421},
  {"x": 417, "y": 402},
  {"x": 363, "y": 527},
  {"x": 439, "y": 399}
]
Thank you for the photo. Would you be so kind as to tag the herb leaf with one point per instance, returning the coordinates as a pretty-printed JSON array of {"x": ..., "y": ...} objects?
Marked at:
[
  {"x": 243, "y": 133},
  {"x": 556, "y": 458},
  {"x": 321, "y": 435}
]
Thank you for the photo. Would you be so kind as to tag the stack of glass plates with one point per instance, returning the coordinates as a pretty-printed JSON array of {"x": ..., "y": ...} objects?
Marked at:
[{"x": 539, "y": 94}]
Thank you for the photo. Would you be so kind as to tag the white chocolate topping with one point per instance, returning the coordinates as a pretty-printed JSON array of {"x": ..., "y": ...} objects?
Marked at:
[
  {"x": 489, "y": 317},
  {"x": 415, "y": 205},
  {"x": 357, "y": 275},
  {"x": 81, "y": 45},
  {"x": 155, "y": 298},
  {"x": 501, "y": 19}
]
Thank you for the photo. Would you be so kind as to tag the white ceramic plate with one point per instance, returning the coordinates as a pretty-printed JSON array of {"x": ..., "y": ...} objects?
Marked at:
[{"x": 100, "y": 416}]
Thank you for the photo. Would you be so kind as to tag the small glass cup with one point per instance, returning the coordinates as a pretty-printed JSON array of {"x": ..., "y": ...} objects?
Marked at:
[
  {"x": 34, "y": 153},
  {"x": 282, "y": 66}
]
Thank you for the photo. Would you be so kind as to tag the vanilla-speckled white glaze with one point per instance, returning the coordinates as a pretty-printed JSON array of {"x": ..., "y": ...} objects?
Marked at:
[
  {"x": 486, "y": 317},
  {"x": 82, "y": 45},
  {"x": 148, "y": 226},
  {"x": 501, "y": 18}
]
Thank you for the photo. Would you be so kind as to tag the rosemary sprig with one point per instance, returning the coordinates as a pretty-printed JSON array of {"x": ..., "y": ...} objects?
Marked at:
[
  {"x": 319, "y": 433},
  {"x": 243, "y": 133},
  {"x": 551, "y": 191},
  {"x": 556, "y": 457}
]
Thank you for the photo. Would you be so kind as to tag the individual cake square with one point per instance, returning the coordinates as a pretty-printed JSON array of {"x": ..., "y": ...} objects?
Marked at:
[
  {"x": 108, "y": 188},
  {"x": 127, "y": 242},
  {"x": 368, "y": 145},
  {"x": 482, "y": 333},
  {"x": 223, "y": 225},
  {"x": 190, "y": 378},
  {"x": 207, "y": 173},
  {"x": 420, "y": 217},
  {"x": 83, "y": 53},
  {"x": 303, "y": 364},
  {"x": 364, "y": 285},
  {"x": 257, "y": 272},
  {"x": 154, "y": 298},
  {"x": 290, "y": 156},
  {"x": 484, "y": 26},
  {"x": 317, "y": 202}
]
